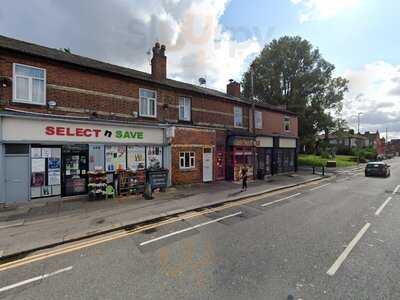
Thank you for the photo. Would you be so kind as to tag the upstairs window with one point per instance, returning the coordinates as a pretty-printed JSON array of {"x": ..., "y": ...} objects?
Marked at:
[
  {"x": 238, "y": 116},
  {"x": 286, "y": 124},
  {"x": 147, "y": 103},
  {"x": 185, "y": 107},
  {"x": 29, "y": 85},
  {"x": 258, "y": 119}
]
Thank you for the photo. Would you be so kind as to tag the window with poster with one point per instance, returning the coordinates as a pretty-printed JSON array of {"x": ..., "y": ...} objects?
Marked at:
[
  {"x": 46, "y": 171},
  {"x": 115, "y": 158},
  {"x": 154, "y": 157},
  {"x": 136, "y": 158}
]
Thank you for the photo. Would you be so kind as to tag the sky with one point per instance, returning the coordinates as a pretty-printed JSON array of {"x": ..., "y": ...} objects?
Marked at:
[{"x": 217, "y": 39}]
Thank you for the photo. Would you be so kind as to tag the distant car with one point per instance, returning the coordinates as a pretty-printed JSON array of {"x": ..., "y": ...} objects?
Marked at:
[{"x": 377, "y": 168}]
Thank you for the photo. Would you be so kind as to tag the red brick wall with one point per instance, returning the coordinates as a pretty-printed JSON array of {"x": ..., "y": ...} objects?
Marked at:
[
  {"x": 206, "y": 110},
  {"x": 273, "y": 124},
  {"x": 75, "y": 102},
  {"x": 187, "y": 139}
]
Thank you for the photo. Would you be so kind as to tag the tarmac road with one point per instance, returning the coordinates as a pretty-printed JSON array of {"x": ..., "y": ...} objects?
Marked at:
[{"x": 336, "y": 239}]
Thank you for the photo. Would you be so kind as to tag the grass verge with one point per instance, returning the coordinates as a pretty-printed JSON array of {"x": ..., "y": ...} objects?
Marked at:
[{"x": 318, "y": 161}]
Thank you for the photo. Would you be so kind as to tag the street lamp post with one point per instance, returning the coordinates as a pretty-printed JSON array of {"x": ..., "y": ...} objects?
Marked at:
[{"x": 358, "y": 130}]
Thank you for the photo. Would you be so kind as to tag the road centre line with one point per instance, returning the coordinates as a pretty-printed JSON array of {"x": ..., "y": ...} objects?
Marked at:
[
  {"x": 276, "y": 201},
  {"x": 396, "y": 189},
  {"x": 37, "y": 278},
  {"x": 379, "y": 210},
  {"x": 189, "y": 228},
  {"x": 85, "y": 243},
  {"x": 336, "y": 265},
  {"x": 318, "y": 187}
]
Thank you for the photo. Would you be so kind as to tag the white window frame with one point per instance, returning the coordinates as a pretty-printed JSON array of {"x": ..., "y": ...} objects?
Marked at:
[
  {"x": 236, "y": 109},
  {"x": 182, "y": 156},
  {"x": 148, "y": 103},
  {"x": 286, "y": 120},
  {"x": 30, "y": 89},
  {"x": 258, "y": 125},
  {"x": 187, "y": 115}
]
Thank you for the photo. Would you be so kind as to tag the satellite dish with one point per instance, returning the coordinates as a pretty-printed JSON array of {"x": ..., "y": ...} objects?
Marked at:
[{"x": 202, "y": 81}]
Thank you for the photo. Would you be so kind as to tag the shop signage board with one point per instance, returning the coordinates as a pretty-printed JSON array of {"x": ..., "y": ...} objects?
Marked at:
[
  {"x": 242, "y": 142},
  {"x": 287, "y": 143},
  {"x": 265, "y": 142},
  {"x": 16, "y": 129}
]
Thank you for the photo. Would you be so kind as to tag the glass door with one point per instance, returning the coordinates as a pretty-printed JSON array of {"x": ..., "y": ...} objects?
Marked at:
[{"x": 75, "y": 168}]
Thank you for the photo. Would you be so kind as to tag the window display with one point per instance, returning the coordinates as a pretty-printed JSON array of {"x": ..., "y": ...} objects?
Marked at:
[
  {"x": 136, "y": 158},
  {"x": 115, "y": 158},
  {"x": 154, "y": 157},
  {"x": 46, "y": 172}
]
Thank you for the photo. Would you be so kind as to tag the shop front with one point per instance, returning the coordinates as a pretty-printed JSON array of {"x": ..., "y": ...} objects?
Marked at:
[
  {"x": 73, "y": 157},
  {"x": 240, "y": 155},
  {"x": 264, "y": 156},
  {"x": 285, "y": 156}
]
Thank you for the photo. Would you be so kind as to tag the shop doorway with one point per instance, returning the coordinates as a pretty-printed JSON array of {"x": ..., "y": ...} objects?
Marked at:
[
  {"x": 207, "y": 165},
  {"x": 17, "y": 178},
  {"x": 264, "y": 162},
  {"x": 220, "y": 163},
  {"x": 75, "y": 166}
]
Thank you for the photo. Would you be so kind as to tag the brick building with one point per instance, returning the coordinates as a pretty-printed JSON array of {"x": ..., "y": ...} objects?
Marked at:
[{"x": 63, "y": 115}]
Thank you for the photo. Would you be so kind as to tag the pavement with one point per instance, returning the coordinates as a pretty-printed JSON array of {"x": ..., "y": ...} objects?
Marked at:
[
  {"x": 42, "y": 224},
  {"x": 332, "y": 239}
]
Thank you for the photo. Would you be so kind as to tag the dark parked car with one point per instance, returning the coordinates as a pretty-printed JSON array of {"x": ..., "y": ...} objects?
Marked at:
[{"x": 377, "y": 168}]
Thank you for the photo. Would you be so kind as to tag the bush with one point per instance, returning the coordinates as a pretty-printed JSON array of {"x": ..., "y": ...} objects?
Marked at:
[{"x": 325, "y": 155}]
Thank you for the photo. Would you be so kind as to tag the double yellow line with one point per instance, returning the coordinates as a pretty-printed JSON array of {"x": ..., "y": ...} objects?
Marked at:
[{"x": 124, "y": 233}]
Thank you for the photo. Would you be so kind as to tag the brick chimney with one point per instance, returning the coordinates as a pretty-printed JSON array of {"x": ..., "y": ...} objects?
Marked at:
[
  {"x": 233, "y": 88},
  {"x": 159, "y": 63}
]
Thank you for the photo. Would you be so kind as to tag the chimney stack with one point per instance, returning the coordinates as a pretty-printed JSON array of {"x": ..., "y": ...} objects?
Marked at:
[
  {"x": 233, "y": 88},
  {"x": 159, "y": 63}
]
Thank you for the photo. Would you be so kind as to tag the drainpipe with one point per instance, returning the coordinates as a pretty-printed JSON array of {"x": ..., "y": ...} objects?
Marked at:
[{"x": 2, "y": 178}]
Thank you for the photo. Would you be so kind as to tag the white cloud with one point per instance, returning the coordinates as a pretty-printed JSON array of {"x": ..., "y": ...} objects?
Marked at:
[
  {"x": 374, "y": 90},
  {"x": 122, "y": 33},
  {"x": 323, "y": 9}
]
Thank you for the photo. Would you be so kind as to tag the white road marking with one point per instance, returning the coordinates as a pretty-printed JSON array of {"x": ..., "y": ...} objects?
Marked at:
[
  {"x": 396, "y": 189},
  {"x": 276, "y": 201},
  {"x": 189, "y": 228},
  {"x": 379, "y": 210},
  {"x": 332, "y": 270},
  {"x": 41, "y": 277},
  {"x": 318, "y": 187}
]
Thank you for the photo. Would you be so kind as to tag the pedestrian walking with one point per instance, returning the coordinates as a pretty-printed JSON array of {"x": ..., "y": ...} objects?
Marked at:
[{"x": 243, "y": 174}]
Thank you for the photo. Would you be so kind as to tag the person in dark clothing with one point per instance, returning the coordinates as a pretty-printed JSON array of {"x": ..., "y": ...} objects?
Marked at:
[{"x": 243, "y": 174}]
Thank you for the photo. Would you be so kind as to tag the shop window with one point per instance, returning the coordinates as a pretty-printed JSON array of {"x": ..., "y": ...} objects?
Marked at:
[
  {"x": 238, "y": 116},
  {"x": 115, "y": 158},
  {"x": 187, "y": 160},
  {"x": 46, "y": 172},
  {"x": 136, "y": 158},
  {"x": 147, "y": 103},
  {"x": 29, "y": 85},
  {"x": 154, "y": 157},
  {"x": 258, "y": 119},
  {"x": 16, "y": 149},
  {"x": 286, "y": 124},
  {"x": 185, "y": 107}
]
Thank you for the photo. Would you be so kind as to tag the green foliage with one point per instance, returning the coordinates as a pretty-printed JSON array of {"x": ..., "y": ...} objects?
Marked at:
[
  {"x": 326, "y": 155},
  {"x": 365, "y": 153},
  {"x": 291, "y": 72},
  {"x": 319, "y": 161}
]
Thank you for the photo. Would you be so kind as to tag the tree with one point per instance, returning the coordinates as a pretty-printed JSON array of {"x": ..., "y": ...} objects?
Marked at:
[{"x": 291, "y": 72}]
